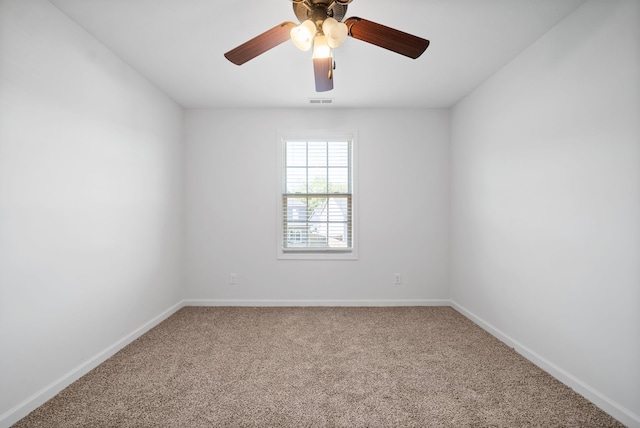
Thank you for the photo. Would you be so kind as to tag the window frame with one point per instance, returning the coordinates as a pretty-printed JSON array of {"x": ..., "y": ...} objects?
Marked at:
[{"x": 324, "y": 253}]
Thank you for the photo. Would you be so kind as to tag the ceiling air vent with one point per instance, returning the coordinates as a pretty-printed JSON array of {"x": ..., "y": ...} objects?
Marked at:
[{"x": 320, "y": 100}]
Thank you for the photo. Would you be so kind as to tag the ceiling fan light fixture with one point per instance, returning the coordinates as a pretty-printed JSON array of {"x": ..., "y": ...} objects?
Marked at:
[
  {"x": 323, "y": 25},
  {"x": 321, "y": 48},
  {"x": 335, "y": 31},
  {"x": 302, "y": 35}
]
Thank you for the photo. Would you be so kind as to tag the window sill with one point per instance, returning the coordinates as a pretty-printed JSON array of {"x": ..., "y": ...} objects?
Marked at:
[{"x": 315, "y": 254}]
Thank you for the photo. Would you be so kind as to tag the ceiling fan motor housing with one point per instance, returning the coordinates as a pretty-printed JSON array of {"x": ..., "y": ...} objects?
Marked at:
[{"x": 318, "y": 10}]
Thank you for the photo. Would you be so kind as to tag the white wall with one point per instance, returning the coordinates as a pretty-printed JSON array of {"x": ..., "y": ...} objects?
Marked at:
[
  {"x": 90, "y": 201},
  {"x": 232, "y": 199},
  {"x": 546, "y": 203}
]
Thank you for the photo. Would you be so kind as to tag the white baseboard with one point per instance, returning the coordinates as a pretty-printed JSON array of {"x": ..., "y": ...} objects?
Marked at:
[
  {"x": 22, "y": 409},
  {"x": 293, "y": 302},
  {"x": 619, "y": 412}
]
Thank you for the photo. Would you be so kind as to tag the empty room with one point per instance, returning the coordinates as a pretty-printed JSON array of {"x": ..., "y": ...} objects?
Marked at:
[{"x": 320, "y": 213}]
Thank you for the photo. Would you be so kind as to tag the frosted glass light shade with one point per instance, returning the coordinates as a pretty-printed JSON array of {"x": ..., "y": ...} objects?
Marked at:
[
  {"x": 335, "y": 31},
  {"x": 321, "y": 47},
  {"x": 303, "y": 34}
]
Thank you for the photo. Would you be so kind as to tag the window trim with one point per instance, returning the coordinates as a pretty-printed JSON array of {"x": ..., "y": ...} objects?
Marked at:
[{"x": 305, "y": 253}]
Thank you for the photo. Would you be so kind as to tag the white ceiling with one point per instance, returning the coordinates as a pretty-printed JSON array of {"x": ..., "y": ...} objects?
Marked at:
[{"x": 179, "y": 45}]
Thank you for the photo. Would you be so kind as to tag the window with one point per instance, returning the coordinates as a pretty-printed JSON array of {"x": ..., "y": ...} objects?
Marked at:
[{"x": 317, "y": 203}]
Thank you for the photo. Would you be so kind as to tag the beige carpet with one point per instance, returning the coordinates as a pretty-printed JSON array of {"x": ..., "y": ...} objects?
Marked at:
[{"x": 317, "y": 367}]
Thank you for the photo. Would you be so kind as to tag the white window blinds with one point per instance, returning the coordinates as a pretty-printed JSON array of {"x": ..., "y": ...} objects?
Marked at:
[{"x": 317, "y": 199}]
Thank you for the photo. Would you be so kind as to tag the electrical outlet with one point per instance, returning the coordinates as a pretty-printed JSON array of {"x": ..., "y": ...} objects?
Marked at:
[
  {"x": 397, "y": 279},
  {"x": 233, "y": 278}
]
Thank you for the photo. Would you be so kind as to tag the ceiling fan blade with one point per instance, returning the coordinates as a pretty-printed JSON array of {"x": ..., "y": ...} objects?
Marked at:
[
  {"x": 323, "y": 71},
  {"x": 386, "y": 37},
  {"x": 260, "y": 44}
]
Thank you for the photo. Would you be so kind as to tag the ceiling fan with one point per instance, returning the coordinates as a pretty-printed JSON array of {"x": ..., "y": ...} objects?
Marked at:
[{"x": 322, "y": 27}]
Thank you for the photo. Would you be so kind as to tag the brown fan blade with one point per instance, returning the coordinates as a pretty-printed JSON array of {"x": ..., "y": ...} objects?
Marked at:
[
  {"x": 386, "y": 37},
  {"x": 323, "y": 71},
  {"x": 260, "y": 44}
]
